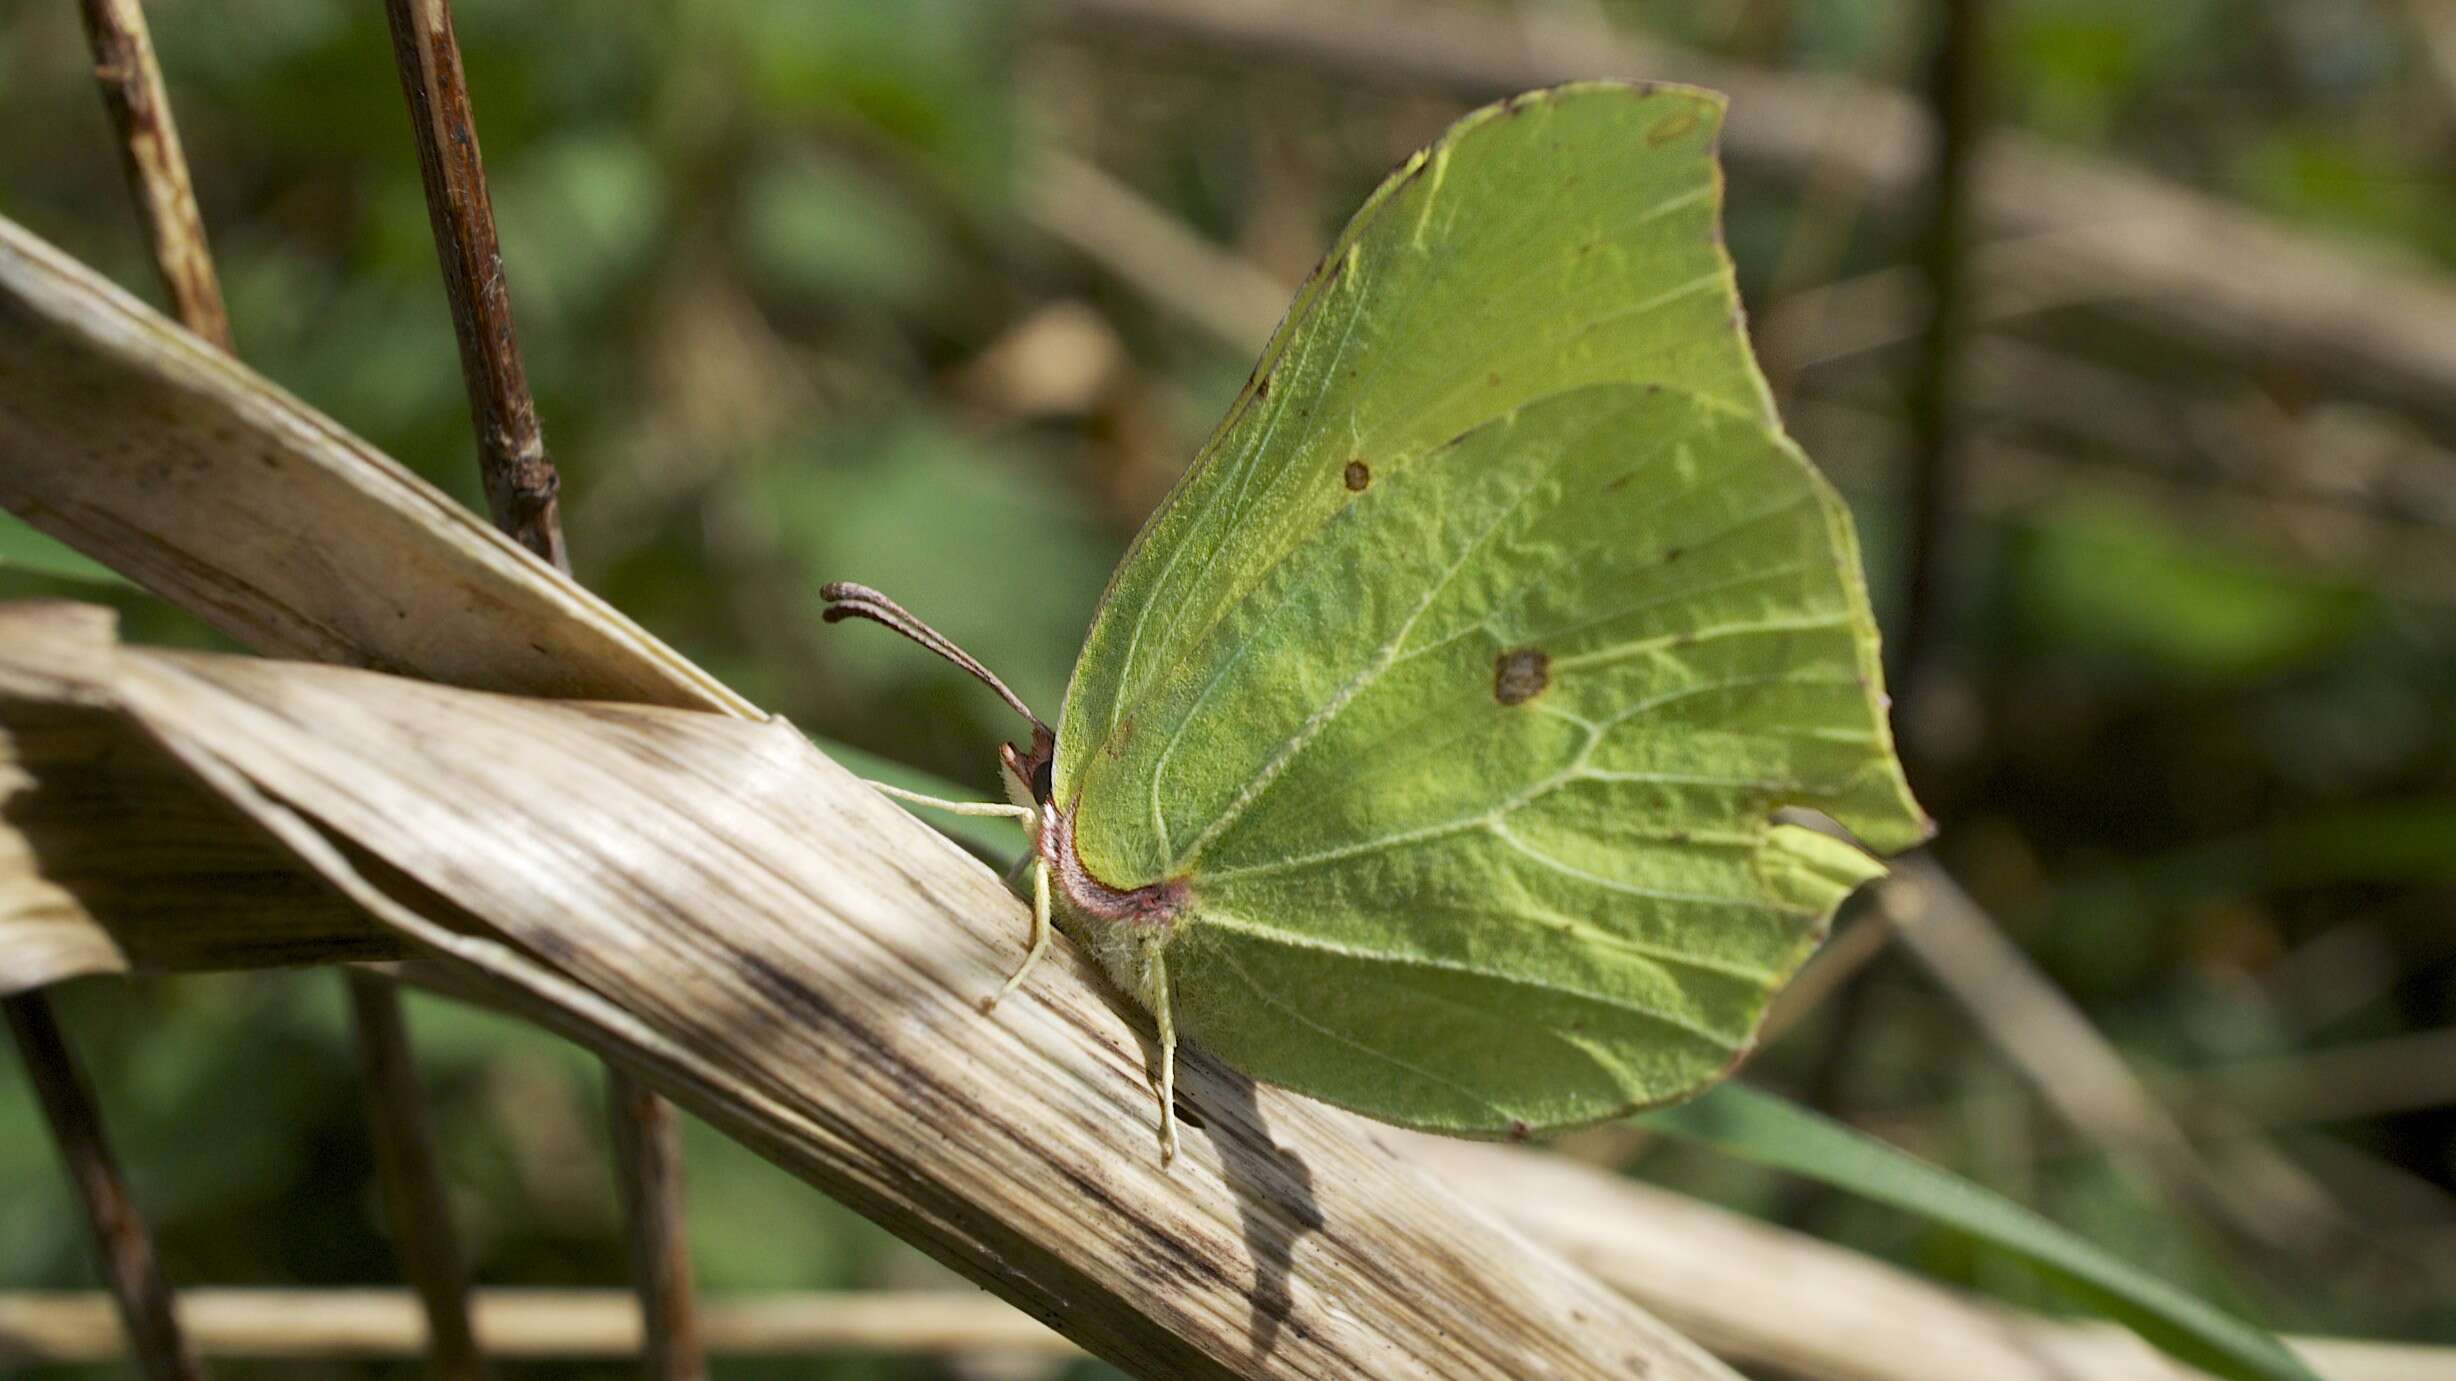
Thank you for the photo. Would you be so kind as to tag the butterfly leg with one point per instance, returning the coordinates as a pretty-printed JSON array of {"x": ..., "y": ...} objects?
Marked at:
[
  {"x": 1159, "y": 993},
  {"x": 1040, "y": 871},
  {"x": 1040, "y": 933},
  {"x": 957, "y": 807}
]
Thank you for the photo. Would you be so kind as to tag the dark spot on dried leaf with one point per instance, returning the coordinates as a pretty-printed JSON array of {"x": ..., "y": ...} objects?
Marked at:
[
  {"x": 1520, "y": 674},
  {"x": 1357, "y": 476}
]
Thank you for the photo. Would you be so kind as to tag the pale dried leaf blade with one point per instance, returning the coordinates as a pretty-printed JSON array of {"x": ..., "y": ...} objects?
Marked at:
[
  {"x": 54, "y": 664},
  {"x": 45, "y": 934},
  {"x": 111, "y": 858},
  {"x": 57, "y": 652},
  {"x": 714, "y": 903},
  {"x": 176, "y": 465},
  {"x": 1706, "y": 1270}
]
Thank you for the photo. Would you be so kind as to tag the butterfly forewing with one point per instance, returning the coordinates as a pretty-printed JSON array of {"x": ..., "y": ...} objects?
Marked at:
[{"x": 1566, "y": 237}]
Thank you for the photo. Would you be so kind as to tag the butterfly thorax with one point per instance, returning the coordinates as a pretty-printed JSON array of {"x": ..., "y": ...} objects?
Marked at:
[
  {"x": 1124, "y": 928},
  {"x": 1119, "y": 925},
  {"x": 1150, "y": 908}
]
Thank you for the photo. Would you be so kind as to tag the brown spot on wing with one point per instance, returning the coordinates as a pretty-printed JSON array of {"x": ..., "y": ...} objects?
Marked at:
[
  {"x": 1520, "y": 674},
  {"x": 1356, "y": 476}
]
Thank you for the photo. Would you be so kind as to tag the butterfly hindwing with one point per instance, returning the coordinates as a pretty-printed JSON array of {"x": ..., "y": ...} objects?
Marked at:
[{"x": 1515, "y": 826}]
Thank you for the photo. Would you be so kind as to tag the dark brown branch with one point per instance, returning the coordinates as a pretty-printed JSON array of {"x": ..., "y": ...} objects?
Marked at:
[
  {"x": 1957, "y": 90},
  {"x": 132, "y": 85},
  {"x": 137, "y": 1282},
  {"x": 520, "y": 478},
  {"x": 157, "y": 171},
  {"x": 648, "y": 1153},
  {"x": 413, "y": 1177}
]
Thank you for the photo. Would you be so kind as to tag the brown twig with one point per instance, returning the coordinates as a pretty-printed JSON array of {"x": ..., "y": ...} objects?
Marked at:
[
  {"x": 1833, "y": 192},
  {"x": 421, "y": 1218},
  {"x": 648, "y": 1152},
  {"x": 521, "y": 483},
  {"x": 157, "y": 171},
  {"x": 137, "y": 1282},
  {"x": 413, "y": 1178},
  {"x": 1957, "y": 89},
  {"x": 520, "y": 478}
]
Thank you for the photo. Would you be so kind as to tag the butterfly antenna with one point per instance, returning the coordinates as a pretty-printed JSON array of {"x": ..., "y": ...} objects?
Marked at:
[{"x": 846, "y": 600}]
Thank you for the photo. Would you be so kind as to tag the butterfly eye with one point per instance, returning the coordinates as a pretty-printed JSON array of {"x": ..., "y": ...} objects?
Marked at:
[{"x": 1042, "y": 785}]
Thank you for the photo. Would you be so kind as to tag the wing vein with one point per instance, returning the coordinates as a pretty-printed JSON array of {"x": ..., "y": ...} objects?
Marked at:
[
  {"x": 1384, "y": 658},
  {"x": 1273, "y": 935},
  {"x": 1605, "y": 656},
  {"x": 1653, "y": 703},
  {"x": 1351, "y": 1042},
  {"x": 1545, "y": 860}
]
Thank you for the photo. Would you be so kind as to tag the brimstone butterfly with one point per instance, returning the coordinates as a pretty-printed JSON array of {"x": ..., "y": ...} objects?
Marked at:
[{"x": 1426, "y": 751}]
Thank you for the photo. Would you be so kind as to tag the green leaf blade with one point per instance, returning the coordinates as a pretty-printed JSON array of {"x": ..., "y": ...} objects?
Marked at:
[{"x": 1771, "y": 1131}]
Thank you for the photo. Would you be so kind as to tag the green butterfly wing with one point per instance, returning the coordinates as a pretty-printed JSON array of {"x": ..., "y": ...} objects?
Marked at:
[{"x": 1460, "y": 679}]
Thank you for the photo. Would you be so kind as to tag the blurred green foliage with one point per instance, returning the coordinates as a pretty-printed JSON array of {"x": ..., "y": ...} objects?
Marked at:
[{"x": 765, "y": 254}]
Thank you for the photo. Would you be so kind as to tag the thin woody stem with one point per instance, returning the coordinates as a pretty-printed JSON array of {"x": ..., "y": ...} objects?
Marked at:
[
  {"x": 846, "y": 600},
  {"x": 138, "y": 1285},
  {"x": 157, "y": 171},
  {"x": 411, "y": 1171},
  {"x": 520, "y": 479}
]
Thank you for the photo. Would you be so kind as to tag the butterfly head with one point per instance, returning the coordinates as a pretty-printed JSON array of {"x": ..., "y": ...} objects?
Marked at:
[{"x": 1028, "y": 772}]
